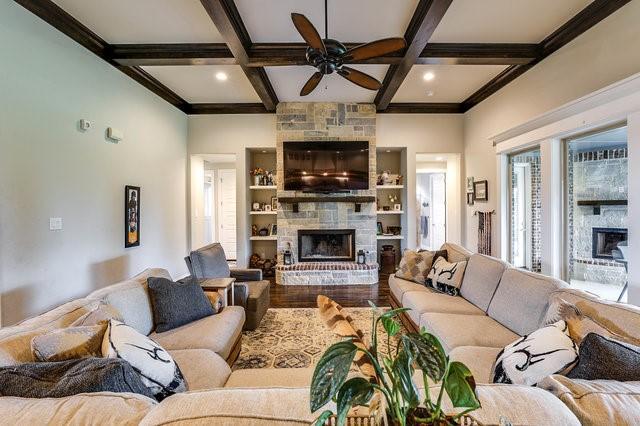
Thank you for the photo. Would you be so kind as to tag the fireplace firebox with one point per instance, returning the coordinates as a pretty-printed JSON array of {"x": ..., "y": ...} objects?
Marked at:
[
  {"x": 326, "y": 245},
  {"x": 605, "y": 240}
]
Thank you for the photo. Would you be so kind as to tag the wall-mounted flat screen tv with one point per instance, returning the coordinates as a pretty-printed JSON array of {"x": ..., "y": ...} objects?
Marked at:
[{"x": 326, "y": 167}]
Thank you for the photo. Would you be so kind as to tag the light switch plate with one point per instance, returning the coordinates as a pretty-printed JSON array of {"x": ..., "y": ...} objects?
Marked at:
[{"x": 55, "y": 223}]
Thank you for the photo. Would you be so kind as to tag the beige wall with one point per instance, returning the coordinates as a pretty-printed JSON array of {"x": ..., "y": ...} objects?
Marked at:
[
  {"x": 605, "y": 54},
  {"x": 48, "y": 168},
  {"x": 233, "y": 134}
]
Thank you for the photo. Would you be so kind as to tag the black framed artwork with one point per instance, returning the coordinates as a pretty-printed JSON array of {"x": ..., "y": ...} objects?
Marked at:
[
  {"x": 131, "y": 216},
  {"x": 481, "y": 190}
]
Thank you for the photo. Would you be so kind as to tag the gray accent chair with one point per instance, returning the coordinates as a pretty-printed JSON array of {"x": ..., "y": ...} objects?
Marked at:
[{"x": 251, "y": 291}]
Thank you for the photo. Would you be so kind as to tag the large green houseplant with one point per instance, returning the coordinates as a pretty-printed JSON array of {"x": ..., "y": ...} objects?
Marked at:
[{"x": 389, "y": 375}]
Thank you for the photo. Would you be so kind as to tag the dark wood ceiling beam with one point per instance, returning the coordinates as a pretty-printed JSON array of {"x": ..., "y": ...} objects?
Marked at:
[
  {"x": 479, "y": 53},
  {"x": 171, "y": 54},
  {"x": 226, "y": 18},
  {"x": 235, "y": 108},
  {"x": 595, "y": 12},
  {"x": 426, "y": 18},
  {"x": 422, "y": 108}
]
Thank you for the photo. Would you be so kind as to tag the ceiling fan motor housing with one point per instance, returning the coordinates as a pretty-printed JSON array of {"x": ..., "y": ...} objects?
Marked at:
[{"x": 328, "y": 63}]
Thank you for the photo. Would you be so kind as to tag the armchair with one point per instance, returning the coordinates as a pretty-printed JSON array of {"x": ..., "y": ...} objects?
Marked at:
[{"x": 251, "y": 291}]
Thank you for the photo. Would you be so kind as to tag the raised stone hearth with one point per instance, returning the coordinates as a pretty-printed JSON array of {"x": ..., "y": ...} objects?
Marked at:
[{"x": 327, "y": 273}]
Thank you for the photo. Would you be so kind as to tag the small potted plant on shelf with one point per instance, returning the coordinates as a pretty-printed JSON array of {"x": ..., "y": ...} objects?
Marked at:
[
  {"x": 389, "y": 377},
  {"x": 257, "y": 174}
]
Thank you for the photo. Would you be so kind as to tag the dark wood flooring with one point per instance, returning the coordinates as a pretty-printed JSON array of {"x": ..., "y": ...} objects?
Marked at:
[{"x": 304, "y": 296}]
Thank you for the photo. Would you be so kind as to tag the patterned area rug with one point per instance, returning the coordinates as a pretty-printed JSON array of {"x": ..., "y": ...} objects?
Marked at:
[{"x": 297, "y": 338}]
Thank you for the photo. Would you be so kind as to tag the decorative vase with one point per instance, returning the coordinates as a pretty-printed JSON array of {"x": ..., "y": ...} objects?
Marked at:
[{"x": 256, "y": 180}]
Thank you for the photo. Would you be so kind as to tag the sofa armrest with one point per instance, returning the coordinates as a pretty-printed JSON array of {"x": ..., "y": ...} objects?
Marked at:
[
  {"x": 244, "y": 275},
  {"x": 240, "y": 294}
]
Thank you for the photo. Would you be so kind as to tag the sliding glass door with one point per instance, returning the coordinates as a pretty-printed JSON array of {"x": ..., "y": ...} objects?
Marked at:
[
  {"x": 524, "y": 206},
  {"x": 596, "y": 192}
]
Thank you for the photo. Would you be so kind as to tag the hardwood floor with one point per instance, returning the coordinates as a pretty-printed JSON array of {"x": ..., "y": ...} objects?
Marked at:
[{"x": 296, "y": 296}]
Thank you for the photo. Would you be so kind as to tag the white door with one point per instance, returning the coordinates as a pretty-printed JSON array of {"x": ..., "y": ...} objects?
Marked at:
[
  {"x": 521, "y": 216},
  {"x": 439, "y": 210},
  {"x": 227, "y": 211}
]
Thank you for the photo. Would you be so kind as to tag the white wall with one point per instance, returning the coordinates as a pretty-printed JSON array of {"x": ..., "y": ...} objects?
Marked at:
[
  {"x": 234, "y": 134},
  {"x": 605, "y": 54},
  {"x": 50, "y": 169}
]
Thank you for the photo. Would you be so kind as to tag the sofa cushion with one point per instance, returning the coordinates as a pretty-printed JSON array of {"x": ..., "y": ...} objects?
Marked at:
[
  {"x": 481, "y": 279},
  {"x": 421, "y": 302},
  {"x": 605, "y": 359},
  {"x": 478, "y": 359},
  {"x": 15, "y": 341},
  {"x": 100, "y": 314},
  {"x": 522, "y": 299},
  {"x": 66, "y": 378},
  {"x": 217, "y": 333},
  {"x": 597, "y": 402},
  {"x": 399, "y": 287},
  {"x": 467, "y": 330},
  {"x": 69, "y": 343},
  {"x": 176, "y": 304},
  {"x": 548, "y": 350},
  {"x": 158, "y": 370},
  {"x": 104, "y": 408},
  {"x": 201, "y": 368},
  {"x": 456, "y": 253},
  {"x": 210, "y": 262},
  {"x": 270, "y": 378}
]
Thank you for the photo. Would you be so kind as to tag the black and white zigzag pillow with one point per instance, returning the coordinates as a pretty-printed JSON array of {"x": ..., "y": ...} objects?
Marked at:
[
  {"x": 528, "y": 360},
  {"x": 158, "y": 370}
]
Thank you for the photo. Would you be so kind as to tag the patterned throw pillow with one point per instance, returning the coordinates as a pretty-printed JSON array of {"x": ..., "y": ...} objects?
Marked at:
[
  {"x": 69, "y": 343},
  {"x": 446, "y": 277},
  {"x": 528, "y": 360},
  {"x": 158, "y": 370},
  {"x": 100, "y": 314},
  {"x": 415, "y": 266}
]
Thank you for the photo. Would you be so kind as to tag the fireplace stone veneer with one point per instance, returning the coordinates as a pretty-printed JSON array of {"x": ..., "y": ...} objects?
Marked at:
[{"x": 327, "y": 273}]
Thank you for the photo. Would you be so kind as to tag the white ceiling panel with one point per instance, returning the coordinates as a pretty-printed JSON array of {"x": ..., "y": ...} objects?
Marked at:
[
  {"x": 145, "y": 21},
  {"x": 504, "y": 21},
  {"x": 288, "y": 81},
  {"x": 198, "y": 84},
  {"x": 450, "y": 83},
  {"x": 349, "y": 20}
]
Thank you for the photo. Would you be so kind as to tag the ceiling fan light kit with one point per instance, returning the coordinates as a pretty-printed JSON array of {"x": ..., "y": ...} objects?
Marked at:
[{"x": 328, "y": 55}]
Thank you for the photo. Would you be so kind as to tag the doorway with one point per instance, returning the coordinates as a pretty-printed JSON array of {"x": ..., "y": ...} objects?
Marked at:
[
  {"x": 431, "y": 200},
  {"x": 213, "y": 202}
]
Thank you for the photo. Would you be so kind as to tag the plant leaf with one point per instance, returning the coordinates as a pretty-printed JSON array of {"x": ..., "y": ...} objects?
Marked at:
[
  {"x": 403, "y": 369},
  {"x": 391, "y": 326},
  {"x": 394, "y": 312},
  {"x": 428, "y": 353},
  {"x": 355, "y": 391},
  {"x": 330, "y": 372},
  {"x": 322, "y": 418},
  {"x": 461, "y": 386}
]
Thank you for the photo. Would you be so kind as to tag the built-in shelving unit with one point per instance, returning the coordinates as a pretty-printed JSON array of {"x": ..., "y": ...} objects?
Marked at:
[
  {"x": 265, "y": 246},
  {"x": 392, "y": 160}
]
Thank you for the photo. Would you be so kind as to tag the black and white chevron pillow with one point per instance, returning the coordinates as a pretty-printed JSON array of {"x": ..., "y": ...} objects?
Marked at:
[
  {"x": 158, "y": 370},
  {"x": 528, "y": 360},
  {"x": 446, "y": 277}
]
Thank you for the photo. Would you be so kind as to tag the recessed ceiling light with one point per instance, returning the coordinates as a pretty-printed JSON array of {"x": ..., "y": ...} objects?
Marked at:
[
  {"x": 388, "y": 150},
  {"x": 428, "y": 76},
  {"x": 439, "y": 159},
  {"x": 264, "y": 152},
  {"x": 430, "y": 93},
  {"x": 221, "y": 76}
]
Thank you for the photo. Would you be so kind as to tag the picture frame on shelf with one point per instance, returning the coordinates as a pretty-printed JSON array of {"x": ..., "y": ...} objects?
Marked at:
[
  {"x": 397, "y": 207},
  {"x": 255, "y": 207},
  {"x": 481, "y": 190},
  {"x": 131, "y": 216},
  {"x": 267, "y": 207},
  {"x": 470, "y": 184},
  {"x": 273, "y": 229},
  {"x": 380, "y": 230},
  {"x": 470, "y": 198},
  {"x": 274, "y": 204}
]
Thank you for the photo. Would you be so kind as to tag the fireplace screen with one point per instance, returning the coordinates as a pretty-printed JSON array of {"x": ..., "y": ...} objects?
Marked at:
[
  {"x": 326, "y": 245},
  {"x": 605, "y": 240}
]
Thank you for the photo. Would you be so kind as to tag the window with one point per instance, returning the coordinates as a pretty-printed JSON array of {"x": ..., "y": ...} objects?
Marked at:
[{"x": 596, "y": 190}]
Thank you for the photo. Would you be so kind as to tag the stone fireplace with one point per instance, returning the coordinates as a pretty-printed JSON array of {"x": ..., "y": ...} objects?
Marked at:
[{"x": 320, "y": 222}]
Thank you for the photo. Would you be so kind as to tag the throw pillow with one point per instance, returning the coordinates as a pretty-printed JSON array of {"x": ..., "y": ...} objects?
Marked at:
[
  {"x": 414, "y": 266},
  {"x": 66, "y": 378},
  {"x": 177, "y": 304},
  {"x": 597, "y": 402},
  {"x": 606, "y": 359},
  {"x": 158, "y": 370},
  {"x": 100, "y": 314},
  {"x": 69, "y": 343},
  {"x": 446, "y": 277},
  {"x": 548, "y": 350}
]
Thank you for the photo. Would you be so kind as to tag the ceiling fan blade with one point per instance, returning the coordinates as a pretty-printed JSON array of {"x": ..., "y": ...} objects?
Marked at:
[
  {"x": 311, "y": 84},
  {"x": 360, "y": 78},
  {"x": 375, "y": 48},
  {"x": 308, "y": 32}
]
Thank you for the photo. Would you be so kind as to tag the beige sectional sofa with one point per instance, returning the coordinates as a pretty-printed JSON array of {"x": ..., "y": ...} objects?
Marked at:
[{"x": 217, "y": 396}]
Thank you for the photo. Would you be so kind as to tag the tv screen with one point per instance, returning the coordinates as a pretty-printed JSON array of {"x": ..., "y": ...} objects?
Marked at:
[{"x": 326, "y": 166}]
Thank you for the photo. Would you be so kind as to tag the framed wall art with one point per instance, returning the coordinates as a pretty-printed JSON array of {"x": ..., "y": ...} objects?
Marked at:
[
  {"x": 131, "y": 216},
  {"x": 481, "y": 190}
]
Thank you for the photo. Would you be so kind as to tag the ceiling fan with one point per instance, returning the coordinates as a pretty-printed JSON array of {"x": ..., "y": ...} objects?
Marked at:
[{"x": 328, "y": 55}]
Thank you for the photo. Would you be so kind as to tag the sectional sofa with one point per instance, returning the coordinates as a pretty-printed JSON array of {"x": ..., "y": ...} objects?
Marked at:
[{"x": 493, "y": 310}]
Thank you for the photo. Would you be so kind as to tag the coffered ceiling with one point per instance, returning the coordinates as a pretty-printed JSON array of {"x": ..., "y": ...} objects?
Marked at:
[{"x": 180, "y": 48}]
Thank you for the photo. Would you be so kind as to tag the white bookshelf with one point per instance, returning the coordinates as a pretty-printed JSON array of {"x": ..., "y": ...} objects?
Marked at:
[
  {"x": 261, "y": 213},
  {"x": 264, "y": 158},
  {"x": 263, "y": 187},
  {"x": 267, "y": 238},
  {"x": 390, "y": 237},
  {"x": 393, "y": 160},
  {"x": 389, "y": 186},
  {"x": 382, "y": 212}
]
